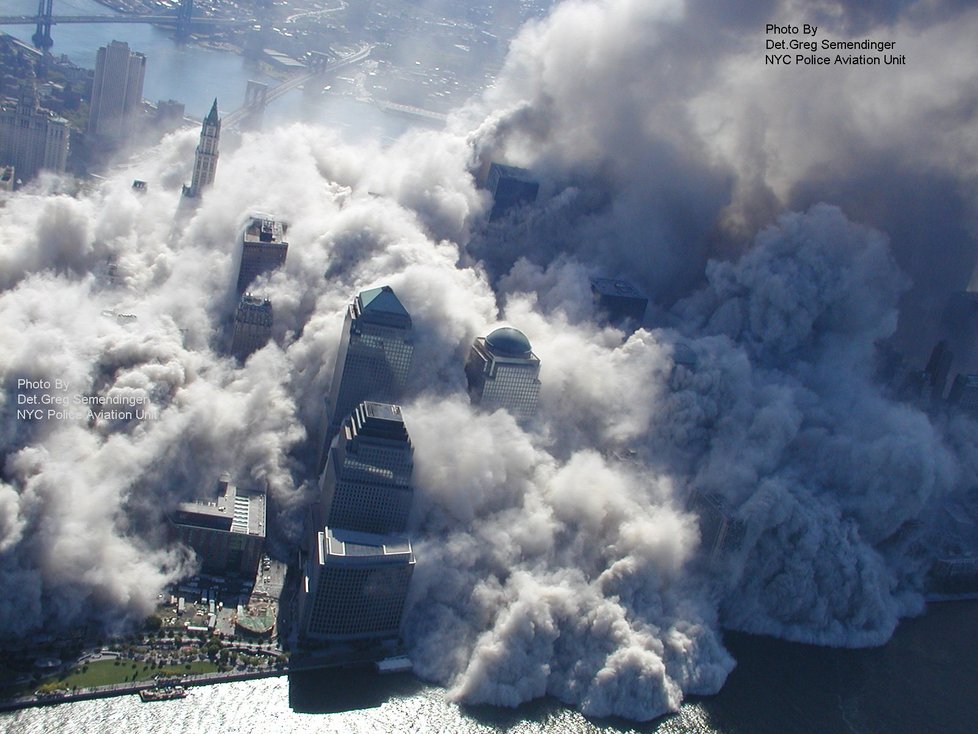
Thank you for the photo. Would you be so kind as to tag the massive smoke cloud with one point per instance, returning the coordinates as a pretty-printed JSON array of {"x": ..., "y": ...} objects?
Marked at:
[{"x": 558, "y": 558}]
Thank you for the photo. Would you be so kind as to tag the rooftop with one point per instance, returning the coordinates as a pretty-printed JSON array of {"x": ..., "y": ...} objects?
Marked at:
[
  {"x": 382, "y": 411},
  {"x": 341, "y": 543},
  {"x": 381, "y": 305},
  {"x": 265, "y": 229},
  {"x": 615, "y": 287},
  {"x": 509, "y": 342},
  {"x": 520, "y": 174},
  {"x": 254, "y": 310},
  {"x": 250, "y": 301},
  {"x": 379, "y": 420},
  {"x": 212, "y": 118},
  {"x": 382, "y": 300},
  {"x": 235, "y": 510}
]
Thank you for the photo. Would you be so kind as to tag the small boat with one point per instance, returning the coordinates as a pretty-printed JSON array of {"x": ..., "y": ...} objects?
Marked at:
[
  {"x": 163, "y": 693},
  {"x": 397, "y": 664}
]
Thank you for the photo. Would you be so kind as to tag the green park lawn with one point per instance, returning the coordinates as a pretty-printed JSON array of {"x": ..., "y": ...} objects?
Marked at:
[{"x": 106, "y": 672}]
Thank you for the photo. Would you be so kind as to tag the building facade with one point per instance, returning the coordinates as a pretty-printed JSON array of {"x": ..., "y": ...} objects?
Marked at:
[
  {"x": 511, "y": 187},
  {"x": 32, "y": 139},
  {"x": 169, "y": 115},
  {"x": 252, "y": 326},
  {"x": 720, "y": 533},
  {"x": 117, "y": 93},
  {"x": 503, "y": 372},
  {"x": 263, "y": 248},
  {"x": 373, "y": 359},
  {"x": 366, "y": 485},
  {"x": 937, "y": 370},
  {"x": 354, "y": 587},
  {"x": 964, "y": 393},
  {"x": 227, "y": 534},
  {"x": 205, "y": 159},
  {"x": 618, "y": 302}
]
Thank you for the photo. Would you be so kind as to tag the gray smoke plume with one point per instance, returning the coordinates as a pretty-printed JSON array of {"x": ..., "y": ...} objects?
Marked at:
[{"x": 558, "y": 558}]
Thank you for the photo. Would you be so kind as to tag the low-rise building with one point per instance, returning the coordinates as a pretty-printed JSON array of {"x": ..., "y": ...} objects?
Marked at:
[{"x": 227, "y": 533}]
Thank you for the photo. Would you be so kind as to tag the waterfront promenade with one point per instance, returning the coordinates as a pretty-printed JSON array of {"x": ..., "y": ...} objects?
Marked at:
[
  {"x": 123, "y": 689},
  {"x": 304, "y": 662}
]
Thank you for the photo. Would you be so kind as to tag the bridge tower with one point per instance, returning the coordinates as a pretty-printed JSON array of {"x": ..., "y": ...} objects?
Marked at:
[
  {"x": 42, "y": 34},
  {"x": 256, "y": 97},
  {"x": 317, "y": 62},
  {"x": 184, "y": 18}
]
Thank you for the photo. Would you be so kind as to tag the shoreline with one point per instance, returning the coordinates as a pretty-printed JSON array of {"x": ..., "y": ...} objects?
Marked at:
[
  {"x": 307, "y": 663},
  {"x": 124, "y": 689}
]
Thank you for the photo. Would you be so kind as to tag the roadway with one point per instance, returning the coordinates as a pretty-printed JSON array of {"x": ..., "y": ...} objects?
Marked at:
[
  {"x": 341, "y": 5},
  {"x": 291, "y": 83},
  {"x": 160, "y": 19}
]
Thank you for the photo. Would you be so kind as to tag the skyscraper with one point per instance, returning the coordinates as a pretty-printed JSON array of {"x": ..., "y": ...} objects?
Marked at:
[
  {"x": 205, "y": 159},
  {"x": 252, "y": 326},
  {"x": 373, "y": 359},
  {"x": 262, "y": 249},
  {"x": 32, "y": 138},
  {"x": 502, "y": 372},
  {"x": 367, "y": 482},
  {"x": 354, "y": 586},
  {"x": 117, "y": 93},
  {"x": 510, "y": 187}
]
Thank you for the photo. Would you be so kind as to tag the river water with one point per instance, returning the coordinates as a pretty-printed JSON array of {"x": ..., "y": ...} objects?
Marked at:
[
  {"x": 195, "y": 75},
  {"x": 188, "y": 74},
  {"x": 925, "y": 680}
]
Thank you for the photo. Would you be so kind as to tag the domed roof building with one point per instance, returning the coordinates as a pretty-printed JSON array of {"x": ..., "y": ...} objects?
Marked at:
[
  {"x": 509, "y": 342},
  {"x": 503, "y": 372}
]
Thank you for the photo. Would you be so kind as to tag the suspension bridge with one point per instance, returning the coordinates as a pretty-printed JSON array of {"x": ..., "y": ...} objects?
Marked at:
[{"x": 183, "y": 20}]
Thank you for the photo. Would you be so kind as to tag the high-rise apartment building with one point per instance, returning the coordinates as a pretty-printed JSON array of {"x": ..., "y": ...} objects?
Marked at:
[
  {"x": 367, "y": 482},
  {"x": 205, "y": 159},
  {"x": 227, "y": 534},
  {"x": 503, "y": 372},
  {"x": 117, "y": 93},
  {"x": 263, "y": 248},
  {"x": 252, "y": 326},
  {"x": 373, "y": 359},
  {"x": 32, "y": 138},
  {"x": 354, "y": 586}
]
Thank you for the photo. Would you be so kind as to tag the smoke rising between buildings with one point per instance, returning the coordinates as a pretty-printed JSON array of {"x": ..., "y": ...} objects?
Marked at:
[{"x": 558, "y": 558}]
